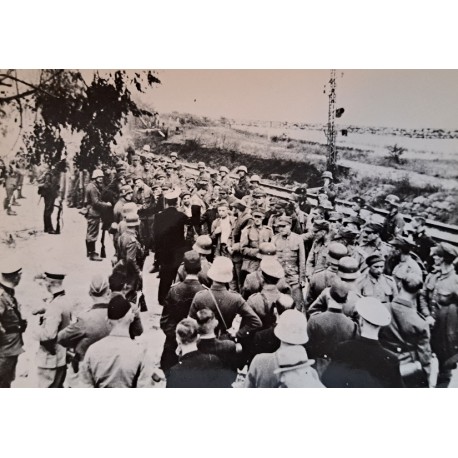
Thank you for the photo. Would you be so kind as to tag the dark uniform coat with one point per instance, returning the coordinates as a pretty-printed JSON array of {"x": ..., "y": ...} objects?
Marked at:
[{"x": 362, "y": 363}]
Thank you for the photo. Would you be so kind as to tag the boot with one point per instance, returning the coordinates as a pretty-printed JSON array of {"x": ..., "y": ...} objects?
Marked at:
[
  {"x": 11, "y": 212},
  {"x": 103, "y": 253},
  {"x": 88, "y": 249},
  {"x": 95, "y": 257}
]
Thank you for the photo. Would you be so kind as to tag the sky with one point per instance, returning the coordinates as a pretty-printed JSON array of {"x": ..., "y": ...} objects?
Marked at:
[{"x": 391, "y": 98}]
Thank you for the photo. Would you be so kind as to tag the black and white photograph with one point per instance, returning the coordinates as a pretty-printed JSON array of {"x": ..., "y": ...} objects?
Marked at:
[{"x": 228, "y": 228}]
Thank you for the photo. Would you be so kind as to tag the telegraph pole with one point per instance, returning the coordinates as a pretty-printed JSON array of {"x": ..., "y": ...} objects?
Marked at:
[{"x": 331, "y": 130}]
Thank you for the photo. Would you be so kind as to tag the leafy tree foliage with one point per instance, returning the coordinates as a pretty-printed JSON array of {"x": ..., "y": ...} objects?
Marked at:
[{"x": 63, "y": 100}]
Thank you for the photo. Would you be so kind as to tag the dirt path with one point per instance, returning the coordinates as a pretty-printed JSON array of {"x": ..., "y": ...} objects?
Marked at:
[{"x": 38, "y": 250}]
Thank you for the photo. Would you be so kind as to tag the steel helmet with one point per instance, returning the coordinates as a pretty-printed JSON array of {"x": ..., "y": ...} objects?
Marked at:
[{"x": 97, "y": 174}]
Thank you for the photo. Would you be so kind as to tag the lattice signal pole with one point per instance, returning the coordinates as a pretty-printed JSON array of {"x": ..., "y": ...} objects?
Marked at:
[{"x": 331, "y": 130}]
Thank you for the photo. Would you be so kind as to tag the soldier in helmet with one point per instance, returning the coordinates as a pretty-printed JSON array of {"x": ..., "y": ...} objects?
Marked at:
[
  {"x": 242, "y": 187},
  {"x": 322, "y": 278},
  {"x": 423, "y": 242},
  {"x": 394, "y": 222},
  {"x": 95, "y": 207},
  {"x": 328, "y": 188},
  {"x": 225, "y": 179}
]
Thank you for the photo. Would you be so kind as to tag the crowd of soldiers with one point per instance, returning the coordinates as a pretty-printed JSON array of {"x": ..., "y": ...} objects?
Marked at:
[{"x": 256, "y": 291}]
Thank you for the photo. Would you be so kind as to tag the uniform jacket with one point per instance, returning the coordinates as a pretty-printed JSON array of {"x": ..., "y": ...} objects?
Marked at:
[
  {"x": 93, "y": 200},
  {"x": 424, "y": 243},
  {"x": 262, "y": 304},
  {"x": 11, "y": 343},
  {"x": 241, "y": 222},
  {"x": 129, "y": 248},
  {"x": 261, "y": 373},
  {"x": 57, "y": 316},
  {"x": 408, "y": 334},
  {"x": 253, "y": 284},
  {"x": 317, "y": 258},
  {"x": 250, "y": 240},
  {"x": 383, "y": 287},
  {"x": 435, "y": 280},
  {"x": 144, "y": 198},
  {"x": 394, "y": 224},
  {"x": 318, "y": 282},
  {"x": 117, "y": 210},
  {"x": 324, "y": 299},
  {"x": 199, "y": 370},
  {"x": 225, "y": 350},
  {"x": 115, "y": 362},
  {"x": 291, "y": 254},
  {"x": 362, "y": 363},
  {"x": 327, "y": 330},
  {"x": 379, "y": 247},
  {"x": 202, "y": 275},
  {"x": 242, "y": 188},
  {"x": 230, "y": 304},
  {"x": 169, "y": 236},
  {"x": 178, "y": 303}
]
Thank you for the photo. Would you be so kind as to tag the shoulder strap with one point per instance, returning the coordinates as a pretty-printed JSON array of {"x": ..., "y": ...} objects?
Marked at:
[{"x": 217, "y": 308}]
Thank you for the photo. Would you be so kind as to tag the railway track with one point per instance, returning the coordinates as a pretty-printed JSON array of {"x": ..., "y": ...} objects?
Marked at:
[{"x": 438, "y": 231}]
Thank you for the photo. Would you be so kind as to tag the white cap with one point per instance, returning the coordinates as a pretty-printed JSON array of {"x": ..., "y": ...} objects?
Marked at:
[{"x": 373, "y": 311}]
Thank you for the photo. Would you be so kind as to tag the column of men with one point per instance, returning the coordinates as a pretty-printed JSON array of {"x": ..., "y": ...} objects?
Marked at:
[{"x": 291, "y": 295}]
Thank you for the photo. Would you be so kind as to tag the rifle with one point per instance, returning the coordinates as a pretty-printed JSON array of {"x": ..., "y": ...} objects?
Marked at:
[
  {"x": 59, "y": 217},
  {"x": 103, "y": 253}
]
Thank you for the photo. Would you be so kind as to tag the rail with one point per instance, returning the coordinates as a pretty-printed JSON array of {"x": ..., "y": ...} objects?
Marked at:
[{"x": 440, "y": 232}]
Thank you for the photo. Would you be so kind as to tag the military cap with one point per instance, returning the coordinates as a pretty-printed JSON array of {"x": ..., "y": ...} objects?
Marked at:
[
  {"x": 146, "y": 148},
  {"x": 203, "y": 245},
  {"x": 292, "y": 327},
  {"x": 374, "y": 227},
  {"x": 373, "y": 311},
  {"x": 258, "y": 212},
  {"x": 335, "y": 216},
  {"x": 132, "y": 220},
  {"x": 201, "y": 165},
  {"x": 223, "y": 203},
  {"x": 214, "y": 173},
  {"x": 224, "y": 169},
  {"x": 348, "y": 268},
  {"x": 97, "y": 173},
  {"x": 374, "y": 259},
  {"x": 126, "y": 189},
  {"x": 167, "y": 185},
  {"x": 162, "y": 158},
  {"x": 99, "y": 285},
  {"x": 421, "y": 216},
  {"x": 321, "y": 224},
  {"x": 156, "y": 186},
  {"x": 402, "y": 242},
  {"x": 192, "y": 261},
  {"x": 353, "y": 220},
  {"x": 336, "y": 251},
  {"x": 258, "y": 192},
  {"x": 302, "y": 190},
  {"x": 393, "y": 200},
  {"x": 326, "y": 174},
  {"x": 348, "y": 233},
  {"x": 267, "y": 249},
  {"x": 338, "y": 292},
  {"x": 184, "y": 194},
  {"x": 240, "y": 204},
  {"x": 255, "y": 179},
  {"x": 54, "y": 273},
  {"x": 326, "y": 205},
  {"x": 221, "y": 270},
  {"x": 10, "y": 265},
  {"x": 444, "y": 249},
  {"x": 173, "y": 154},
  {"x": 190, "y": 177},
  {"x": 242, "y": 168},
  {"x": 118, "y": 307},
  {"x": 284, "y": 221},
  {"x": 205, "y": 177},
  {"x": 359, "y": 200},
  {"x": 271, "y": 267},
  {"x": 172, "y": 195}
]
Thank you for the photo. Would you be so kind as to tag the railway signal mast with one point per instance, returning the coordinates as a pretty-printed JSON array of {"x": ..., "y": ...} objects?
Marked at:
[{"x": 331, "y": 132}]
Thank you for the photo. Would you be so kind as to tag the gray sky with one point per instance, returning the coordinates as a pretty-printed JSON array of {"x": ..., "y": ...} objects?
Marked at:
[{"x": 393, "y": 98}]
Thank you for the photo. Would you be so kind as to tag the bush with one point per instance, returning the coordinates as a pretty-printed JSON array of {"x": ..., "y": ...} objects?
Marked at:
[{"x": 395, "y": 153}]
